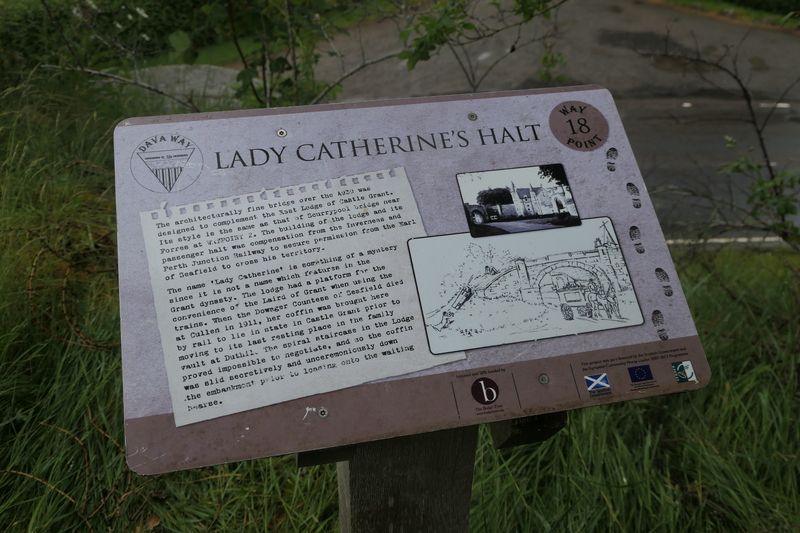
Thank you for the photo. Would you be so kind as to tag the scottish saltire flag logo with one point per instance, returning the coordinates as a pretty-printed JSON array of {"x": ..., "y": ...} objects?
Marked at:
[
  {"x": 597, "y": 382},
  {"x": 640, "y": 373},
  {"x": 684, "y": 372}
]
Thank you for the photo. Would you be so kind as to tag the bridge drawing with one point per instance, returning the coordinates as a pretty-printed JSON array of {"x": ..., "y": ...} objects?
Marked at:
[{"x": 571, "y": 291}]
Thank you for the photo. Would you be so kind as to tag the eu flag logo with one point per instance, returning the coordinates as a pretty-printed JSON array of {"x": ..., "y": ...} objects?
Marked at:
[{"x": 640, "y": 373}]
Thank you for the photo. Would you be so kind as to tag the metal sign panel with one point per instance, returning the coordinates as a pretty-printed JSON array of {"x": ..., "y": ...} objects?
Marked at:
[{"x": 303, "y": 278}]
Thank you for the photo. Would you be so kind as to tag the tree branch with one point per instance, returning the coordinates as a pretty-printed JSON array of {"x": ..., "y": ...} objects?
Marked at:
[
  {"x": 121, "y": 79},
  {"x": 783, "y": 94},
  {"x": 317, "y": 99},
  {"x": 292, "y": 51},
  {"x": 239, "y": 50}
]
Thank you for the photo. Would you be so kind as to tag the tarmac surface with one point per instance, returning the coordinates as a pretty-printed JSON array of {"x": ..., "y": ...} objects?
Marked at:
[
  {"x": 502, "y": 227},
  {"x": 515, "y": 226},
  {"x": 676, "y": 118},
  {"x": 604, "y": 42}
]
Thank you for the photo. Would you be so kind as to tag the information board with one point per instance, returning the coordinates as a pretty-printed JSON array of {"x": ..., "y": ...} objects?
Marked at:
[{"x": 303, "y": 278}]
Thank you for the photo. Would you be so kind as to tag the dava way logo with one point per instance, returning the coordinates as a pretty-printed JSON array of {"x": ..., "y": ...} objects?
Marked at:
[{"x": 166, "y": 163}]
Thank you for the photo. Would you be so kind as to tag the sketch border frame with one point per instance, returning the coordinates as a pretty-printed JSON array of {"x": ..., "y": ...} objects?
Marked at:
[{"x": 467, "y": 350}]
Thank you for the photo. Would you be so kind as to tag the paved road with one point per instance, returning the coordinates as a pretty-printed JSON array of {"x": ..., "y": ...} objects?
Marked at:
[
  {"x": 512, "y": 226},
  {"x": 605, "y": 42},
  {"x": 675, "y": 120},
  {"x": 518, "y": 225},
  {"x": 680, "y": 149}
]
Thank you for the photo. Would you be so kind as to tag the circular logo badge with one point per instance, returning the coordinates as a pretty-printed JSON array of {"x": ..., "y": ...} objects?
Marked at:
[
  {"x": 485, "y": 391},
  {"x": 579, "y": 126},
  {"x": 166, "y": 163}
]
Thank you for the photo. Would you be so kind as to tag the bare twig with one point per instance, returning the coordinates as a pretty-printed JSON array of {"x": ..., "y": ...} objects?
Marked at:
[
  {"x": 361, "y": 49},
  {"x": 322, "y": 94},
  {"x": 127, "y": 81},
  {"x": 104, "y": 432},
  {"x": 485, "y": 31},
  {"x": 730, "y": 69},
  {"x": 63, "y": 35},
  {"x": 268, "y": 77},
  {"x": 780, "y": 98},
  {"x": 51, "y": 487},
  {"x": 84, "y": 340},
  {"x": 465, "y": 67},
  {"x": 264, "y": 81},
  {"x": 516, "y": 46},
  {"x": 43, "y": 482},
  {"x": 242, "y": 56},
  {"x": 330, "y": 41},
  {"x": 292, "y": 52},
  {"x": 85, "y": 458}
]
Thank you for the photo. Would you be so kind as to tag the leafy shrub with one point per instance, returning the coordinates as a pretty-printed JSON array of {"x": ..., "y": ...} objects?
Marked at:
[
  {"x": 780, "y": 7},
  {"x": 97, "y": 32}
]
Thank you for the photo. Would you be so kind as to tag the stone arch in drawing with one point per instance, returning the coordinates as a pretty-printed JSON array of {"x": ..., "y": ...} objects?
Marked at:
[{"x": 594, "y": 270}]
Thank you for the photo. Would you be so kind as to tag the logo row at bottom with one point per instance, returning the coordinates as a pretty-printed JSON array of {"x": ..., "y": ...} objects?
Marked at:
[
  {"x": 492, "y": 393},
  {"x": 641, "y": 376}
]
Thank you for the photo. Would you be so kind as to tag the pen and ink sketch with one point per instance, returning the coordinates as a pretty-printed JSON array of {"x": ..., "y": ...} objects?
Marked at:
[
  {"x": 513, "y": 288},
  {"x": 515, "y": 200}
]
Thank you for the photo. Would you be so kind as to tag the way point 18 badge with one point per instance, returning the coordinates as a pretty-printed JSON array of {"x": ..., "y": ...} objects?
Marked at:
[{"x": 304, "y": 278}]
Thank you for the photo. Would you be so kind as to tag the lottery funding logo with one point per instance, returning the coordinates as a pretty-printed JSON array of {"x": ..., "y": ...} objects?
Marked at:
[
  {"x": 485, "y": 391},
  {"x": 166, "y": 163}
]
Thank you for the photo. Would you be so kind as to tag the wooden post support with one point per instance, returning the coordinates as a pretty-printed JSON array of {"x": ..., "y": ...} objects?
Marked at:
[
  {"x": 420, "y": 482},
  {"x": 528, "y": 430},
  {"x": 417, "y": 483}
]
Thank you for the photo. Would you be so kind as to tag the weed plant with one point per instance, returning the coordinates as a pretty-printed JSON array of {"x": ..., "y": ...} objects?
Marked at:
[{"x": 722, "y": 459}]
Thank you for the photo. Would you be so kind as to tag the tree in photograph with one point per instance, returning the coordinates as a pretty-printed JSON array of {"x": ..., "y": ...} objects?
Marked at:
[
  {"x": 497, "y": 196},
  {"x": 554, "y": 174}
]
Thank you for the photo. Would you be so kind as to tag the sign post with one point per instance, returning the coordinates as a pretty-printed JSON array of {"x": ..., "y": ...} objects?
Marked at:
[
  {"x": 419, "y": 482},
  {"x": 415, "y": 483},
  {"x": 376, "y": 280}
]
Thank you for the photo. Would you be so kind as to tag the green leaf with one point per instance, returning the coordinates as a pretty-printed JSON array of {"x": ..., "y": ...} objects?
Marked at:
[{"x": 179, "y": 41}]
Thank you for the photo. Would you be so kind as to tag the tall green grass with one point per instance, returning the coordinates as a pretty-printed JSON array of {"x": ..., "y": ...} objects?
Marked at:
[
  {"x": 778, "y": 13},
  {"x": 724, "y": 458}
]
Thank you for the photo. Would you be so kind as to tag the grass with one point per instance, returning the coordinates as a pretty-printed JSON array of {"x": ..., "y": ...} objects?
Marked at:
[
  {"x": 724, "y": 458},
  {"x": 741, "y": 13}
]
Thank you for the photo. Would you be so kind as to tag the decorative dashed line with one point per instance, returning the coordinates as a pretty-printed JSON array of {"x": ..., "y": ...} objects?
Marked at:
[{"x": 279, "y": 193}]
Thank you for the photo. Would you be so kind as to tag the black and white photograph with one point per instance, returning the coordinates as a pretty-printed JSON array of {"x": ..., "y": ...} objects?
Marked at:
[{"x": 516, "y": 200}]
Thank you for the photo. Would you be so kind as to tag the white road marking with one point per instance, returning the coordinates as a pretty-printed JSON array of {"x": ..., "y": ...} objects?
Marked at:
[{"x": 728, "y": 240}]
